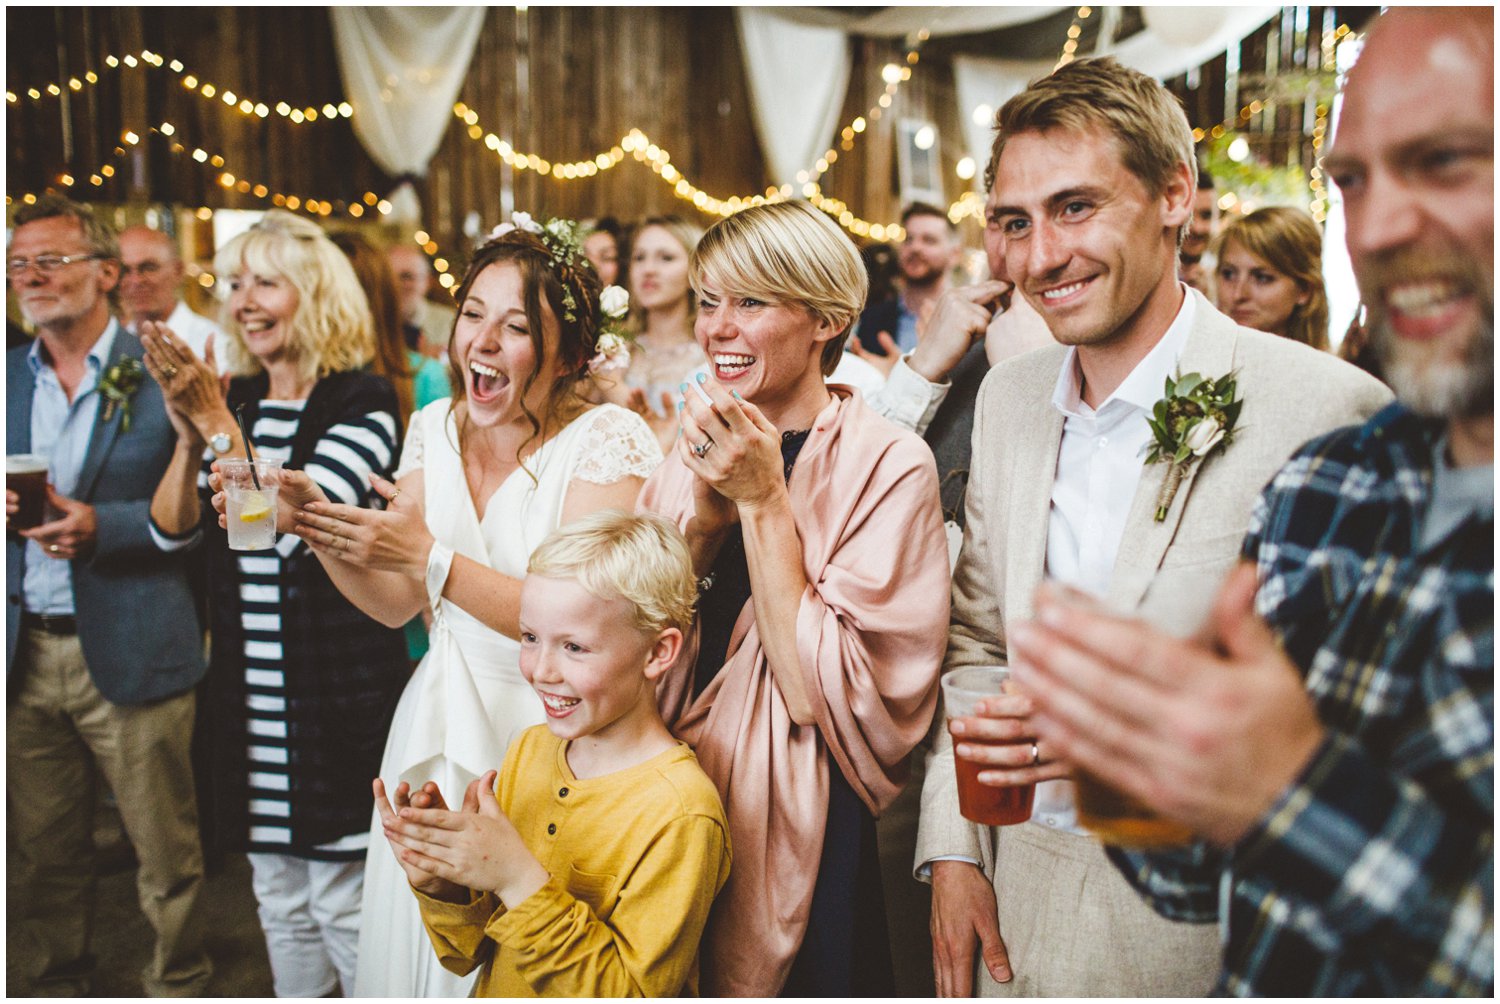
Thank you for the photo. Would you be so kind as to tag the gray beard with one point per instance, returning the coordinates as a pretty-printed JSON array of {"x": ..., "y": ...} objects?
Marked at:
[{"x": 1440, "y": 389}]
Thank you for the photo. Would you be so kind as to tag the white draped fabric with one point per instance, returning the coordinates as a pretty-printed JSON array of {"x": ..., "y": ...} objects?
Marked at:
[
  {"x": 1175, "y": 40},
  {"x": 402, "y": 68},
  {"x": 798, "y": 76}
]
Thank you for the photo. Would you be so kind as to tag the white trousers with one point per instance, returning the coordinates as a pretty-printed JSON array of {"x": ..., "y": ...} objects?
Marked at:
[{"x": 309, "y": 911}]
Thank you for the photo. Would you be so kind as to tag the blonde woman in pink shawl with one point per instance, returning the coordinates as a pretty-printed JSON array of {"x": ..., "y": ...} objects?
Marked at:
[{"x": 812, "y": 670}]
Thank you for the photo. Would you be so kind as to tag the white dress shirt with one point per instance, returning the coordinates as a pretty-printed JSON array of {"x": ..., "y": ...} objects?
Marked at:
[{"x": 1099, "y": 467}]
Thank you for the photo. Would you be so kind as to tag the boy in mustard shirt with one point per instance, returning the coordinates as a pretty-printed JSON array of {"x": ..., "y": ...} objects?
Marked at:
[{"x": 591, "y": 870}]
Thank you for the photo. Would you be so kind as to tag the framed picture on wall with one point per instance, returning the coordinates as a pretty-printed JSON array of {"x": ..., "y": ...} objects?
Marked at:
[{"x": 918, "y": 162}]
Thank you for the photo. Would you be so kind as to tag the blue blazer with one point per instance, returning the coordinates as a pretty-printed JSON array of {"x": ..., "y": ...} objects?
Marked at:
[{"x": 136, "y": 619}]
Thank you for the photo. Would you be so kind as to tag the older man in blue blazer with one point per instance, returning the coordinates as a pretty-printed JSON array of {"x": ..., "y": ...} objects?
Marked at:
[{"x": 102, "y": 642}]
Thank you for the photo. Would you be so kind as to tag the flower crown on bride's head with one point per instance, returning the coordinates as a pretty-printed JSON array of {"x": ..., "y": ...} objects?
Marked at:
[{"x": 563, "y": 240}]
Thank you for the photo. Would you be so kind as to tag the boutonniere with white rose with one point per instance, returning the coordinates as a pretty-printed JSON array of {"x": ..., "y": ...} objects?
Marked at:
[
  {"x": 1195, "y": 417},
  {"x": 118, "y": 387}
]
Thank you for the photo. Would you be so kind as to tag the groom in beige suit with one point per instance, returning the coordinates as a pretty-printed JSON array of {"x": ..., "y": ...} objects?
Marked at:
[{"x": 1093, "y": 179}]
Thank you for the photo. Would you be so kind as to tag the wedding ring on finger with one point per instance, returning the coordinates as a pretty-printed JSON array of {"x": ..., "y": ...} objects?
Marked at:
[
  {"x": 1035, "y": 756},
  {"x": 168, "y": 370},
  {"x": 394, "y": 495},
  {"x": 701, "y": 451},
  {"x": 53, "y": 549}
]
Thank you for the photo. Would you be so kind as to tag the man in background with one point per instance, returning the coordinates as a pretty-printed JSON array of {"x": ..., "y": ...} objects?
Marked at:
[
  {"x": 427, "y": 325},
  {"x": 151, "y": 273},
  {"x": 1196, "y": 265}
]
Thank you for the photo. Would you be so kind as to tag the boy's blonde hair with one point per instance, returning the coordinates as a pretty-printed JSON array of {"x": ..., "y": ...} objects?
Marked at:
[
  {"x": 332, "y": 330},
  {"x": 786, "y": 252},
  {"x": 639, "y": 557},
  {"x": 1142, "y": 116}
]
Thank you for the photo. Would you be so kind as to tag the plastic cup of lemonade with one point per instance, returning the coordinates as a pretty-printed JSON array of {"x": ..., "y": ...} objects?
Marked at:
[{"x": 250, "y": 508}]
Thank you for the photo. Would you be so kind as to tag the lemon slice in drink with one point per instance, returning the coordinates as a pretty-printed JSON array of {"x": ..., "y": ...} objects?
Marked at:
[{"x": 256, "y": 508}]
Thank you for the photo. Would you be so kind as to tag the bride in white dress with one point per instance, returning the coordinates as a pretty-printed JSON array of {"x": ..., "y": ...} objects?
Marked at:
[{"x": 515, "y": 454}]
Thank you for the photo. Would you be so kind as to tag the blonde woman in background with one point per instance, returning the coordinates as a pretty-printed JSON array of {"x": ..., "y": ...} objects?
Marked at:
[
  {"x": 1270, "y": 275},
  {"x": 301, "y": 684}
]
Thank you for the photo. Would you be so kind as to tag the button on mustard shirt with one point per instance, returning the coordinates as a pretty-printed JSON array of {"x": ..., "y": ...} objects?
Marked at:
[{"x": 636, "y": 858}]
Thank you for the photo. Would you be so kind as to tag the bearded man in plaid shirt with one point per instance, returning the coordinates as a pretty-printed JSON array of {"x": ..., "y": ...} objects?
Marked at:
[{"x": 1336, "y": 752}]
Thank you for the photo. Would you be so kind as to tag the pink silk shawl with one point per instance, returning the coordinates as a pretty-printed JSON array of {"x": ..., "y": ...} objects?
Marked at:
[{"x": 871, "y": 633}]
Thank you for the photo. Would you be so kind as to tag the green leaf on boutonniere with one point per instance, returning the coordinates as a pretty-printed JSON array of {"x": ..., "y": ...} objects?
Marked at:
[
  {"x": 1195, "y": 417},
  {"x": 118, "y": 387}
]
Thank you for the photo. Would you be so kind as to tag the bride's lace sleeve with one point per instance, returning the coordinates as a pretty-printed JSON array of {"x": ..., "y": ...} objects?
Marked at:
[
  {"x": 617, "y": 444},
  {"x": 412, "y": 449}
]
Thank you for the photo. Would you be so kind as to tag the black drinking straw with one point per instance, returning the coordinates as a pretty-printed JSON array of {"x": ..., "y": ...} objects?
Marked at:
[{"x": 239, "y": 417}]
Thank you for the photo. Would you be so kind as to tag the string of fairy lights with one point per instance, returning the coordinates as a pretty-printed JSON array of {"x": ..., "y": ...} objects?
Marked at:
[
  {"x": 634, "y": 144},
  {"x": 209, "y": 91}
]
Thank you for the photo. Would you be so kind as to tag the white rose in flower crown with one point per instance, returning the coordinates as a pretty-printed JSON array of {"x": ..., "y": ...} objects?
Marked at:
[
  {"x": 614, "y": 301},
  {"x": 558, "y": 228},
  {"x": 1203, "y": 437},
  {"x": 525, "y": 222}
]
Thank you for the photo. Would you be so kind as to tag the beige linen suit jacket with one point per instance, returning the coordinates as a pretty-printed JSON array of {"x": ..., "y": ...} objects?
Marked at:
[{"x": 1167, "y": 572}]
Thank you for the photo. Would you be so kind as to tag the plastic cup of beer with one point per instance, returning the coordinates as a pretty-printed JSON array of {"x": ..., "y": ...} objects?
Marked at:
[
  {"x": 963, "y": 689},
  {"x": 1122, "y": 821},
  {"x": 26, "y": 475},
  {"x": 250, "y": 503}
]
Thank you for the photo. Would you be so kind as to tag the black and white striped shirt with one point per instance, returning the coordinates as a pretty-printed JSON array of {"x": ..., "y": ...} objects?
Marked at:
[{"x": 341, "y": 464}]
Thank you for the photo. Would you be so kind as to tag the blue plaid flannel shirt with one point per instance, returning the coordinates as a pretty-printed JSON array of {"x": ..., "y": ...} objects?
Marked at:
[{"x": 1374, "y": 872}]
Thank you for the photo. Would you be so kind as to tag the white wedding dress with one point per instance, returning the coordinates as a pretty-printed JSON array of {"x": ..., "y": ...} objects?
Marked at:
[{"x": 467, "y": 699}]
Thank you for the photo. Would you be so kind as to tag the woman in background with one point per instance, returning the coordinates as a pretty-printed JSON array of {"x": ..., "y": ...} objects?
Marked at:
[
  {"x": 1270, "y": 275},
  {"x": 302, "y": 685},
  {"x": 664, "y": 352}
]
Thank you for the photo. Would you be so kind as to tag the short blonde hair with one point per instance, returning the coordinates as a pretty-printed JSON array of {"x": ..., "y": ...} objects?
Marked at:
[
  {"x": 332, "y": 330},
  {"x": 786, "y": 252},
  {"x": 1288, "y": 240},
  {"x": 639, "y": 557},
  {"x": 1140, "y": 114}
]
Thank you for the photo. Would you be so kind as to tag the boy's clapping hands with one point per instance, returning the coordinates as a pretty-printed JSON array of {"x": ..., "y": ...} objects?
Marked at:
[{"x": 446, "y": 853}]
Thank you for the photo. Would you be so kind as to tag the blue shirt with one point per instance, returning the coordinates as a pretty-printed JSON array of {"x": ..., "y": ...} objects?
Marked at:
[{"x": 60, "y": 431}]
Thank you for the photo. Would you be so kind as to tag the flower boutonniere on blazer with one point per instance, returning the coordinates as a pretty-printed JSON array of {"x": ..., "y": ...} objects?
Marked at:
[
  {"x": 1195, "y": 417},
  {"x": 117, "y": 387}
]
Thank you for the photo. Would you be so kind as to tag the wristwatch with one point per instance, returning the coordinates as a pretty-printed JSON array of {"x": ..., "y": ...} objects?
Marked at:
[{"x": 219, "y": 442}]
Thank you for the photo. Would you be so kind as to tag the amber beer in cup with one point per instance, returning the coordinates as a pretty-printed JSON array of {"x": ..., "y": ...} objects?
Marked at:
[
  {"x": 963, "y": 689},
  {"x": 26, "y": 475},
  {"x": 1120, "y": 820}
]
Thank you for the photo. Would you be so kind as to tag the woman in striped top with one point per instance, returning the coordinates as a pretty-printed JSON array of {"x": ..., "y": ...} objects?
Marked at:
[{"x": 303, "y": 685}]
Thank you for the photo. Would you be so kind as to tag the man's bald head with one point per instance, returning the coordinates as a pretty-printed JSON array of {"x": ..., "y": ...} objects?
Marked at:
[
  {"x": 150, "y": 272},
  {"x": 1414, "y": 158}
]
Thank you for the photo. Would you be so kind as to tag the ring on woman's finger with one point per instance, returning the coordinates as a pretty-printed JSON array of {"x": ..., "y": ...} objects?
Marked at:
[
  {"x": 700, "y": 451},
  {"x": 394, "y": 495},
  {"x": 1035, "y": 756},
  {"x": 53, "y": 549},
  {"x": 168, "y": 370}
]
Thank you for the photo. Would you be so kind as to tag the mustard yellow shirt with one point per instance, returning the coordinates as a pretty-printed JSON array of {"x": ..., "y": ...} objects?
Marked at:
[{"x": 636, "y": 858}]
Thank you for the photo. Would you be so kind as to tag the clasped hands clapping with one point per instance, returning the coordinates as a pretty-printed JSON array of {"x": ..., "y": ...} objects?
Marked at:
[
  {"x": 446, "y": 853},
  {"x": 733, "y": 449}
]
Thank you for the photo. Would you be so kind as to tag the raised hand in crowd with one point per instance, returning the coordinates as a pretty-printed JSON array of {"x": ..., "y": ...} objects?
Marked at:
[
  {"x": 191, "y": 386},
  {"x": 394, "y": 539},
  {"x": 1172, "y": 722},
  {"x": 953, "y": 323},
  {"x": 883, "y": 361},
  {"x": 663, "y": 423}
]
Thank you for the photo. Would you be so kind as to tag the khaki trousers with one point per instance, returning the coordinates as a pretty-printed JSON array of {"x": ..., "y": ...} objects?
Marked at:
[
  {"x": 1073, "y": 926},
  {"x": 60, "y": 733}
]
